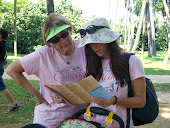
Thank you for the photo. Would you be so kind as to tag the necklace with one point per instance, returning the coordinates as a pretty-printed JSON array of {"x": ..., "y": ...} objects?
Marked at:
[{"x": 65, "y": 58}]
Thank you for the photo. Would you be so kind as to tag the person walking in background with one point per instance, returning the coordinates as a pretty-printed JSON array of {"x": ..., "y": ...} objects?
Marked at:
[
  {"x": 106, "y": 63},
  {"x": 58, "y": 62},
  {"x": 3, "y": 48}
]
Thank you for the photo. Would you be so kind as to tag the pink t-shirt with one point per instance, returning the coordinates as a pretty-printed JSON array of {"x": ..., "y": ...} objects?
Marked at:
[
  {"x": 51, "y": 68},
  {"x": 108, "y": 81}
]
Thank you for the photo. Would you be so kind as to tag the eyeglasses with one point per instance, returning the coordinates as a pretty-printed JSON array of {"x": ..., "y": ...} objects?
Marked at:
[
  {"x": 57, "y": 39},
  {"x": 90, "y": 30}
]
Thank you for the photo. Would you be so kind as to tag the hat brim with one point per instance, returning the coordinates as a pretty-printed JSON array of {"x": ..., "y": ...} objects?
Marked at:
[
  {"x": 56, "y": 30},
  {"x": 104, "y": 35}
]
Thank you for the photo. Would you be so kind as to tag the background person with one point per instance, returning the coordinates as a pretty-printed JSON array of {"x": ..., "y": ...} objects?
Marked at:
[
  {"x": 3, "y": 48},
  {"x": 105, "y": 62},
  {"x": 58, "y": 62}
]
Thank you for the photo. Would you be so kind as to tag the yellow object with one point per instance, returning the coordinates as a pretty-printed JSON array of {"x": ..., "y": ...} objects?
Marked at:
[
  {"x": 88, "y": 113},
  {"x": 109, "y": 119}
]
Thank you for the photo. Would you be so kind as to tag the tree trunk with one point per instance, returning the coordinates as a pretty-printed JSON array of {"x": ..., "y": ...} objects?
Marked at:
[
  {"x": 168, "y": 15},
  {"x": 127, "y": 6},
  {"x": 149, "y": 32},
  {"x": 132, "y": 26},
  {"x": 143, "y": 34},
  {"x": 116, "y": 8},
  {"x": 15, "y": 29},
  {"x": 139, "y": 26},
  {"x": 152, "y": 29},
  {"x": 50, "y": 6},
  {"x": 129, "y": 34}
]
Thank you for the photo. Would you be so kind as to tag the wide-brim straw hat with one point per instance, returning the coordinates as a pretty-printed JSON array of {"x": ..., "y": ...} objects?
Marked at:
[{"x": 103, "y": 35}]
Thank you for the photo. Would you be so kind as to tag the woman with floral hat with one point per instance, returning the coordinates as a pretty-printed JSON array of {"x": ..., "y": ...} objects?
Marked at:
[
  {"x": 58, "y": 62},
  {"x": 106, "y": 63}
]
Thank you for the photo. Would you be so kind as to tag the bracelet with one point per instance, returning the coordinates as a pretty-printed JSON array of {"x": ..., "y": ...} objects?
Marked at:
[{"x": 115, "y": 100}]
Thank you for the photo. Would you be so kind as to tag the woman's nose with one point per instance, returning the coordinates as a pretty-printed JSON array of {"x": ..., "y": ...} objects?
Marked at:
[{"x": 62, "y": 40}]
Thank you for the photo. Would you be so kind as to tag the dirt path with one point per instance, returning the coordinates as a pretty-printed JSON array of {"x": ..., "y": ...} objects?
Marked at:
[{"x": 163, "y": 119}]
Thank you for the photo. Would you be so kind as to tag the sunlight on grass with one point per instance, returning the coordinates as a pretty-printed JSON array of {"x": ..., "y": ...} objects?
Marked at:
[
  {"x": 13, "y": 57},
  {"x": 155, "y": 65},
  {"x": 152, "y": 65},
  {"x": 24, "y": 115}
]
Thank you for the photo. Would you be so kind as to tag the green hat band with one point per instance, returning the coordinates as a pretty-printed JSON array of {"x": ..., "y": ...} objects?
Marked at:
[{"x": 56, "y": 30}]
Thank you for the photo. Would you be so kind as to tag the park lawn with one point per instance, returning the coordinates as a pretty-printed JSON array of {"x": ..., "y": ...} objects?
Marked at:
[
  {"x": 27, "y": 102},
  {"x": 152, "y": 65},
  {"x": 155, "y": 65}
]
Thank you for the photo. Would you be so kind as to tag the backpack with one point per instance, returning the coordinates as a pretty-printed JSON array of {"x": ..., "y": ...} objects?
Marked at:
[
  {"x": 150, "y": 111},
  {"x": 76, "y": 122}
]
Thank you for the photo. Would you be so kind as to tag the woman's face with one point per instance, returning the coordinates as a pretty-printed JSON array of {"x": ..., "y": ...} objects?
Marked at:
[
  {"x": 64, "y": 45},
  {"x": 100, "y": 49}
]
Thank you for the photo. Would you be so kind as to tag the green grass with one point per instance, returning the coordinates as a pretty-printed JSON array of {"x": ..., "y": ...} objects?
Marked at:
[
  {"x": 11, "y": 58},
  {"x": 24, "y": 115},
  {"x": 162, "y": 87},
  {"x": 155, "y": 65},
  {"x": 26, "y": 101},
  {"x": 152, "y": 65}
]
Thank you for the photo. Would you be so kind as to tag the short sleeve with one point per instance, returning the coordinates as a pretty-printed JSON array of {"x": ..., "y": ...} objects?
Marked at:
[
  {"x": 31, "y": 63},
  {"x": 136, "y": 69}
]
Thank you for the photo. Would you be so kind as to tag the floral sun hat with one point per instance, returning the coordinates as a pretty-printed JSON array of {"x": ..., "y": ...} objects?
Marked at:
[{"x": 102, "y": 32}]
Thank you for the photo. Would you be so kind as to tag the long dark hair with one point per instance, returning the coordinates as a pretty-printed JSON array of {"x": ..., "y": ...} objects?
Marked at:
[{"x": 117, "y": 63}]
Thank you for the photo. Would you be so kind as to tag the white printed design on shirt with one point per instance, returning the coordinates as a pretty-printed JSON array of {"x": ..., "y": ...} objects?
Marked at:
[
  {"x": 108, "y": 81},
  {"x": 69, "y": 74}
]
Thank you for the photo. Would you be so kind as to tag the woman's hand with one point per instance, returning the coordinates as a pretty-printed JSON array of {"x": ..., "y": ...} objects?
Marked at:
[
  {"x": 57, "y": 99},
  {"x": 104, "y": 103},
  {"x": 15, "y": 70},
  {"x": 40, "y": 99}
]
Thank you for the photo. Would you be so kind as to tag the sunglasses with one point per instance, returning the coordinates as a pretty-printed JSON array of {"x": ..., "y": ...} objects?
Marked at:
[
  {"x": 57, "y": 39},
  {"x": 90, "y": 30}
]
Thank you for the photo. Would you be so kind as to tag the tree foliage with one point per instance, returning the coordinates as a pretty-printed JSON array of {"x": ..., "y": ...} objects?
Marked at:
[
  {"x": 162, "y": 38},
  {"x": 30, "y": 17},
  {"x": 161, "y": 35},
  {"x": 9, "y": 6},
  {"x": 74, "y": 15},
  {"x": 29, "y": 21}
]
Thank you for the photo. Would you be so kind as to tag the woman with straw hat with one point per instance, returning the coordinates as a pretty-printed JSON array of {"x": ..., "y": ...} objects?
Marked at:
[{"x": 106, "y": 63}]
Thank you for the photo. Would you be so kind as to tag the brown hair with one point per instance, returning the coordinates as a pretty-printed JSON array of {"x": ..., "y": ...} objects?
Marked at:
[
  {"x": 53, "y": 19},
  {"x": 118, "y": 65}
]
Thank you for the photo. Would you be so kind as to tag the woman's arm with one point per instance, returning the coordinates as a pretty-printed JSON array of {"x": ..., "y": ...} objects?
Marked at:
[
  {"x": 137, "y": 101},
  {"x": 15, "y": 70},
  {"x": 139, "y": 98}
]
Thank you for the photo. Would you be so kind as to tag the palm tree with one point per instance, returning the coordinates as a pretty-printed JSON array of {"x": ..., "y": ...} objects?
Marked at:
[
  {"x": 139, "y": 26},
  {"x": 115, "y": 18},
  {"x": 126, "y": 20},
  {"x": 153, "y": 45},
  {"x": 143, "y": 34},
  {"x": 132, "y": 25},
  {"x": 166, "y": 6},
  {"x": 149, "y": 31}
]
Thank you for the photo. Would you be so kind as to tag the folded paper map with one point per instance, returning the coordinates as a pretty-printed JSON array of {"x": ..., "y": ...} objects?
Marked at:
[{"x": 80, "y": 92}]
